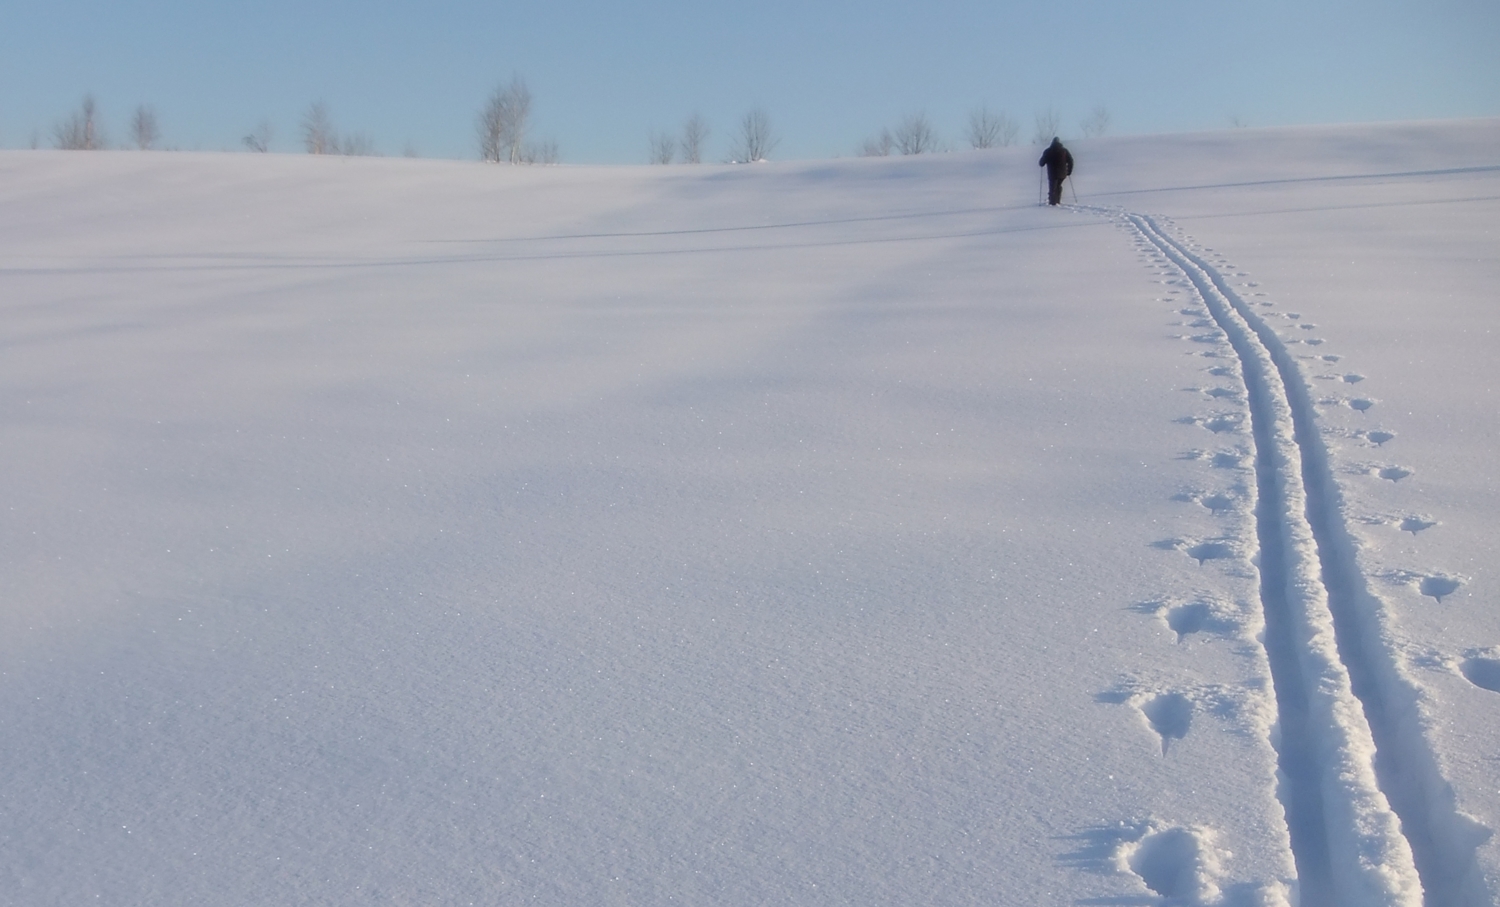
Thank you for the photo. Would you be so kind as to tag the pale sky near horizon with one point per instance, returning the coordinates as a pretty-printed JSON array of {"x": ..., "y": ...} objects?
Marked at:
[{"x": 830, "y": 74}]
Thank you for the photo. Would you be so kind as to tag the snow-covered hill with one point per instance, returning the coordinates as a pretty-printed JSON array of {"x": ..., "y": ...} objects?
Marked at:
[{"x": 851, "y": 532}]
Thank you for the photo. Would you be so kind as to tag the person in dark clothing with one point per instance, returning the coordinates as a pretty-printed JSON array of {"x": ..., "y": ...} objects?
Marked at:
[{"x": 1059, "y": 163}]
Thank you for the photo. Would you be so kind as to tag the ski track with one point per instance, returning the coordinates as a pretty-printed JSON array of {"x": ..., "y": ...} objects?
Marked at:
[{"x": 1370, "y": 817}]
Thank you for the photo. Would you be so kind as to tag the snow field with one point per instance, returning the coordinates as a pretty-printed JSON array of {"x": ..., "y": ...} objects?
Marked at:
[{"x": 390, "y": 531}]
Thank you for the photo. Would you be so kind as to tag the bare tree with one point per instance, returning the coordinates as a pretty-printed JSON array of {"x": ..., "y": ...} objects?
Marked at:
[
  {"x": 317, "y": 130},
  {"x": 663, "y": 148},
  {"x": 260, "y": 139},
  {"x": 756, "y": 139},
  {"x": 502, "y": 123},
  {"x": 541, "y": 153},
  {"x": 1095, "y": 124},
  {"x": 143, "y": 129},
  {"x": 694, "y": 133},
  {"x": 879, "y": 146},
  {"x": 355, "y": 144},
  {"x": 80, "y": 132},
  {"x": 991, "y": 130},
  {"x": 319, "y": 136},
  {"x": 1047, "y": 123},
  {"x": 915, "y": 135}
]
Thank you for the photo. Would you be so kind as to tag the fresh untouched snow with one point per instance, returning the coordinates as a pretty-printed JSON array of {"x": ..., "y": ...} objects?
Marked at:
[{"x": 847, "y": 532}]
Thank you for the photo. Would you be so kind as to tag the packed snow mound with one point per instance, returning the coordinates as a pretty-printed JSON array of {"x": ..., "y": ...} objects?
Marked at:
[{"x": 822, "y": 533}]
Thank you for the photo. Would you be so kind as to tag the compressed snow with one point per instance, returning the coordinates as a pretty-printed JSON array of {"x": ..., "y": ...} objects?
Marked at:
[{"x": 827, "y": 533}]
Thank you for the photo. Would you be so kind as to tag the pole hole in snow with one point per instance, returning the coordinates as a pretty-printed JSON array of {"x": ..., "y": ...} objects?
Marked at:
[
  {"x": 1439, "y": 586},
  {"x": 1170, "y": 716},
  {"x": 1218, "y": 503},
  {"x": 1187, "y": 619},
  {"x": 1415, "y": 524},
  {"x": 1483, "y": 673},
  {"x": 1227, "y": 460},
  {"x": 1218, "y": 423},
  {"x": 1211, "y": 551},
  {"x": 1176, "y": 865}
]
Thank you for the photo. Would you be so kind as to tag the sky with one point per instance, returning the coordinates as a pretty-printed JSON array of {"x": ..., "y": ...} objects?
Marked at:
[{"x": 604, "y": 76}]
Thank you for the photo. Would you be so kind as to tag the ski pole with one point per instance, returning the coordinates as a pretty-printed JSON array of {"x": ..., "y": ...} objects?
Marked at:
[
  {"x": 1039, "y": 188},
  {"x": 1073, "y": 187}
]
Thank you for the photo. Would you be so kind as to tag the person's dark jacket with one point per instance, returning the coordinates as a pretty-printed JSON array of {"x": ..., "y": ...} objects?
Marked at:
[{"x": 1058, "y": 161}]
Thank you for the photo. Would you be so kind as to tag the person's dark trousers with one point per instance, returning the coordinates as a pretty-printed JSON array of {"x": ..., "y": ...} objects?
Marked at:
[{"x": 1054, "y": 190}]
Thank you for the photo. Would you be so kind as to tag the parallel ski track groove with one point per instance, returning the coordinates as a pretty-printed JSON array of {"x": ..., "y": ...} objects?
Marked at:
[{"x": 1371, "y": 818}]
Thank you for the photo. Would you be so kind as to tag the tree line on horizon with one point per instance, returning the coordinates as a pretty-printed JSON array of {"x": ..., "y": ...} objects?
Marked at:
[{"x": 503, "y": 133}]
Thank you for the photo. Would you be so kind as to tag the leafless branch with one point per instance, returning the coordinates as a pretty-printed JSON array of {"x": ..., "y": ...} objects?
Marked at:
[
  {"x": 879, "y": 146},
  {"x": 144, "y": 133},
  {"x": 260, "y": 139},
  {"x": 915, "y": 135},
  {"x": 80, "y": 132},
  {"x": 663, "y": 148},
  {"x": 502, "y": 123},
  {"x": 694, "y": 134},
  {"x": 1047, "y": 123},
  {"x": 317, "y": 130},
  {"x": 991, "y": 130},
  {"x": 756, "y": 139},
  {"x": 1097, "y": 122}
]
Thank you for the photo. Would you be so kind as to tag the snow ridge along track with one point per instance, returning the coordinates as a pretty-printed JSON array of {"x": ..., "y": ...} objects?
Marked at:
[{"x": 1372, "y": 821}]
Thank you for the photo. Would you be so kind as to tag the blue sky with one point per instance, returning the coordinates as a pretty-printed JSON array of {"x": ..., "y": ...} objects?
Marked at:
[{"x": 829, "y": 74}]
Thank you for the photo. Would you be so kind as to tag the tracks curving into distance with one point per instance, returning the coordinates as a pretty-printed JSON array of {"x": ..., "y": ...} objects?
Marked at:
[{"x": 1371, "y": 819}]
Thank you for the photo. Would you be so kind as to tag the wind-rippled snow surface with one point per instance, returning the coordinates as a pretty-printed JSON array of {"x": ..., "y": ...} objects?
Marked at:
[{"x": 852, "y": 532}]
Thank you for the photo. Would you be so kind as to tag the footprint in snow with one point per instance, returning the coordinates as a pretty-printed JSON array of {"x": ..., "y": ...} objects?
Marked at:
[
  {"x": 1482, "y": 672},
  {"x": 1393, "y": 473},
  {"x": 1363, "y": 404},
  {"x": 1308, "y": 327},
  {"x": 1223, "y": 371},
  {"x": 1313, "y": 341},
  {"x": 1380, "y": 437},
  {"x": 1331, "y": 358},
  {"x": 1353, "y": 378}
]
